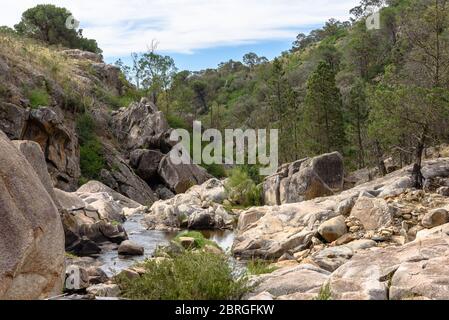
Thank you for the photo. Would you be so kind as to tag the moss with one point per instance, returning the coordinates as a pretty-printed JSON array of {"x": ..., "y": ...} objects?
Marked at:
[
  {"x": 179, "y": 279},
  {"x": 38, "y": 97}
]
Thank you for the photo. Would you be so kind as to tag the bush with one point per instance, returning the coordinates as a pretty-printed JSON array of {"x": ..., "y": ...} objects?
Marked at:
[
  {"x": 91, "y": 150},
  {"x": 38, "y": 98},
  {"x": 188, "y": 276},
  {"x": 216, "y": 170},
  {"x": 257, "y": 267},
  {"x": 200, "y": 240},
  {"x": 242, "y": 189}
]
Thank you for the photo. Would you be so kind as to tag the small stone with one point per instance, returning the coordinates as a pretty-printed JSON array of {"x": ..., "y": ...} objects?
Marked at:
[
  {"x": 130, "y": 274},
  {"x": 407, "y": 216},
  {"x": 444, "y": 191},
  {"x": 354, "y": 229},
  {"x": 301, "y": 254},
  {"x": 344, "y": 239},
  {"x": 212, "y": 249}
]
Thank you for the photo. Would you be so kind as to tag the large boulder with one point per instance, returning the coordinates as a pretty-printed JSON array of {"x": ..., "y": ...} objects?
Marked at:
[
  {"x": 302, "y": 282},
  {"x": 146, "y": 163},
  {"x": 305, "y": 179},
  {"x": 194, "y": 209},
  {"x": 32, "y": 237},
  {"x": 373, "y": 213},
  {"x": 179, "y": 178},
  {"x": 140, "y": 126}
]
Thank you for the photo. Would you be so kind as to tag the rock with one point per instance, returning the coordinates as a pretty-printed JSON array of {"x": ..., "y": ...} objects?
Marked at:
[
  {"x": 76, "y": 279},
  {"x": 366, "y": 275},
  {"x": 109, "y": 75},
  {"x": 188, "y": 210},
  {"x": 300, "y": 279},
  {"x": 98, "y": 187},
  {"x": 130, "y": 274},
  {"x": 263, "y": 296},
  {"x": 163, "y": 192},
  {"x": 13, "y": 120},
  {"x": 146, "y": 163},
  {"x": 60, "y": 144},
  {"x": 435, "y": 218},
  {"x": 121, "y": 178},
  {"x": 97, "y": 275},
  {"x": 344, "y": 239},
  {"x": 32, "y": 238},
  {"x": 82, "y": 55},
  {"x": 104, "y": 290},
  {"x": 212, "y": 249},
  {"x": 361, "y": 244},
  {"x": 305, "y": 179},
  {"x": 332, "y": 258},
  {"x": 130, "y": 248},
  {"x": 34, "y": 155},
  {"x": 427, "y": 279},
  {"x": 187, "y": 242},
  {"x": 373, "y": 213},
  {"x": 212, "y": 190},
  {"x": 333, "y": 229},
  {"x": 444, "y": 191},
  {"x": 141, "y": 126},
  {"x": 179, "y": 178}
]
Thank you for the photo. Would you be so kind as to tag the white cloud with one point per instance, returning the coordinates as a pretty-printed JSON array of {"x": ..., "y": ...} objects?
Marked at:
[{"x": 123, "y": 26}]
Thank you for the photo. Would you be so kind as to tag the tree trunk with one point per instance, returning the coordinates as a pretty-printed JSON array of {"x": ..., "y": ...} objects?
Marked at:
[
  {"x": 380, "y": 161},
  {"x": 417, "y": 176}
]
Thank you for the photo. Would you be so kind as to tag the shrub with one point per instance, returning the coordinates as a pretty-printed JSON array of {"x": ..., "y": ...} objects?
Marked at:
[
  {"x": 216, "y": 170},
  {"x": 176, "y": 122},
  {"x": 242, "y": 189},
  {"x": 192, "y": 275},
  {"x": 200, "y": 240},
  {"x": 38, "y": 98},
  {"x": 325, "y": 293},
  {"x": 256, "y": 267},
  {"x": 91, "y": 150}
]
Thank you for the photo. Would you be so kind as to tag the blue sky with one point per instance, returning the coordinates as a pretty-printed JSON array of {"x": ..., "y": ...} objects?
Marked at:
[{"x": 197, "y": 33}]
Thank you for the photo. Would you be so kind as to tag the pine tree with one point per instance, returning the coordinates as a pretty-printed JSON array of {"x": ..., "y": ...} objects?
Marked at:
[{"x": 323, "y": 125}]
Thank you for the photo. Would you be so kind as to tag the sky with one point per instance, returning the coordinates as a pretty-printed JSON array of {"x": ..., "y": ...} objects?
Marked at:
[{"x": 198, "y": 34}]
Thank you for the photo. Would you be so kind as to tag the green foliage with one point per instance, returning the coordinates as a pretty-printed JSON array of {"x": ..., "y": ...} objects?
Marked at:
[
  {"x": 242, "y": 189},
  {"x": 200, "y": 240},
  {"x": 192, "y": 275},
  {"x": 38, "y": 97},
  {"x": 91, "y": 150},
  {"x": 216, "y": 170},
  {"x": 258, "y": 267},
  {"x": 48, "y": 23},
  {"x": 325, "y": 293}
]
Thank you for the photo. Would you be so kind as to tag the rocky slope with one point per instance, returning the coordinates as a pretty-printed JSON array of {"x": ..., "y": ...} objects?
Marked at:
[{"x": 379, "y": 240}]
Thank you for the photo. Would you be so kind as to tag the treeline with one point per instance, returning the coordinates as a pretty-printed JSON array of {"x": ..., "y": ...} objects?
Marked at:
[{"x": 365, "y": 93}]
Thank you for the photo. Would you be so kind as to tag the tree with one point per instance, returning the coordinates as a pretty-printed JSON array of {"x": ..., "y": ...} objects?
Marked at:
[
  {"x": 323, "y": 126},
  {"x": 48, "y": 23},
  {"x": 251, "y": 59}
]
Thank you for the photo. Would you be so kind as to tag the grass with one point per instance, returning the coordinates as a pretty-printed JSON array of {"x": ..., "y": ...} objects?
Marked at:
[
  {"x": 325, "y": 293},
  {"x": 257, "y": 267},
  {"x": 70, "y": 255},
  {"x": 38, "y": 97},
  {"x": 200, "y": 240},
  {"x": 179, "y": 279}
]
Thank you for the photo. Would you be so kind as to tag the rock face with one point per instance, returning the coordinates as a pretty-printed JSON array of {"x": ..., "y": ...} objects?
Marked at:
[
  {"x": 32, "y": 238},
  {"x": 193, "y": 209},
  {"x": 305, "y": 179},
  {"x": 146, "y": 163},
  {"x": 58, "y": 142}
]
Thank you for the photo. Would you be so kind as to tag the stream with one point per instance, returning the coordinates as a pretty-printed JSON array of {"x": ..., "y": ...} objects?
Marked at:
[{"x": 112, "y": 263}]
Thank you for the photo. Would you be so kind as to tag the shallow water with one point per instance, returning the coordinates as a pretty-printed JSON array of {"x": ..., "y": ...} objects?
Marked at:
[{"x": 112, "y": 263}]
